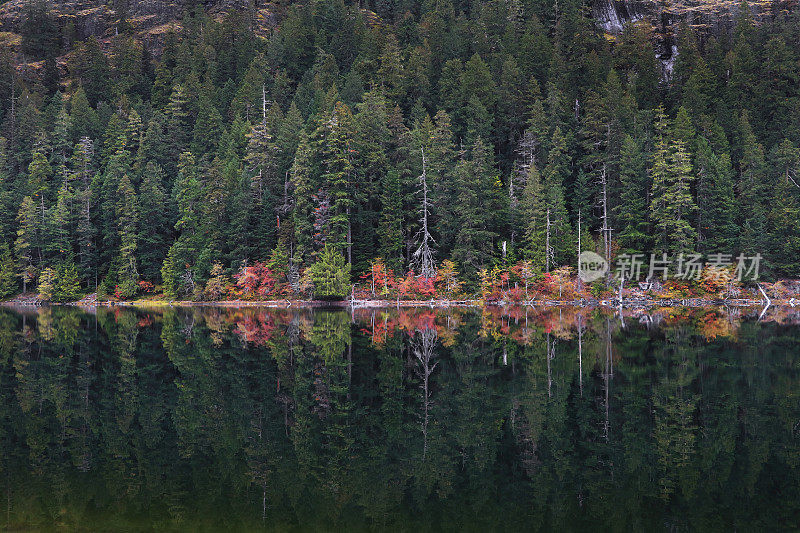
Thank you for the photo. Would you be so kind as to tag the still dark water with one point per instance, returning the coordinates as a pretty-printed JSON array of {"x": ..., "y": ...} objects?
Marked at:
[{"x": 419, "y": 420}]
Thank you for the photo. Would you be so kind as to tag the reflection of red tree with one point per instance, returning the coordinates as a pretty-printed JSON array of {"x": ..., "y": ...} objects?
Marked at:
[{"x": 256, "y": 329}]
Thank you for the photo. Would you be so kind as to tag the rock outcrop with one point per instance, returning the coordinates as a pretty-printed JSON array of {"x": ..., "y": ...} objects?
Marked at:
[{"x": 150, "y": 19}]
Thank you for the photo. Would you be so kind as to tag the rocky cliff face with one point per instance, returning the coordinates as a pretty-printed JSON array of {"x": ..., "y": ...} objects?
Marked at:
[
  {"x": 612, "y": 15},
  {"x": 149, "y": 18},
  {"x": 665, "y": 16}
]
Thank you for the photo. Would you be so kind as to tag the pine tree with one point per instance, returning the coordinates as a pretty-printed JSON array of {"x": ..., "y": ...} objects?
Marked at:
[
  {"x": 60, "y": 227},
  {"x": 176, "y": 272},
  {"x": 753, "y": 191},
  {"x": 177, "y": 123},
  {"x": 39, "y": 179},
  {"x": 441, "y": 160},
  {"x": 631, "y": 212},
  {"x": 155, "y": 230},
  {"x": 127, "y": 213},
  {"x": 554, "y": 174},
  {"x": 9, "y": 284},
  {"x": 26, "y": 246},
  {"x": 303, "y": 208},
  {"x": 207, "y": 127},
  {"x": 534, "y": 209},
  {"x": 62, "y": 145},
  {"x": 390, "y": 227},
  {"x": 338, "y": 174},
  {"x": 67, "y": 286},
  {"x": 477, "y": 235},
  {"x": 330, "y": 274},
  {"x": 782, "y": 227},
  {"x": 716, "y": 202},
  {"x": 671, "y": 205},
  {"x": 785, "y": 210},
  {"x": 83, "y": 119},
  {"x": 47, "y": 284}
]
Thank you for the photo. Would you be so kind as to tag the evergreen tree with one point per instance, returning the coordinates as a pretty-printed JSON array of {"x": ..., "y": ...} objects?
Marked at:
[
  {"x": 9, "y": 284},
  {"x": 716, "y": 202},
  {"x": 556, "y": 222},
  {"x": 178, "y": 124},
  {"x": 753, "y": 190},
  {"x": 330, "y": 274},
  {"x": 671, "y": 205},
  {"x": 26, "y": 246},
  {"x": 303, "y": 206},
  {"x": 155, "y": 231},
  {"x": 534, "y": 209},
  {"x": 477, "y": 235},
  {"x": 338, "y": 175},
  {"x": 631, "y": 212},
  {"x": 67, "y": 286},
  {"x": 390, "y": 228},
  {"x": 127, "y": 214}
]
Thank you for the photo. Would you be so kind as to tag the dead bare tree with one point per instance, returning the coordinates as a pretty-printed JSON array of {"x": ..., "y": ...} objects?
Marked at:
[
  {"x": 423, "y": 345},
  {"x": 422, "y": 259}
]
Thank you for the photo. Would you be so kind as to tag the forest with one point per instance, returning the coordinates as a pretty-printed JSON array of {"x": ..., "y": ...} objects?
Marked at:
[{"x": 434, "y": 141}]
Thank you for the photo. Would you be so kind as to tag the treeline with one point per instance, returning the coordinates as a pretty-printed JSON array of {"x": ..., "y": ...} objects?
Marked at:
[{"x": 480, "y": 133}]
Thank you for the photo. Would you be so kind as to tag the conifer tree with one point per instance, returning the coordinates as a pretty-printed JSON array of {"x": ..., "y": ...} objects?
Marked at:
[
  {"x": 672, "y": 206},
  {"x": 330, "y": 274},
  {"x": 557, "y": 223},
  {"x": 26, "y": 246},
  {"x": 83, "y": 119},
  {"x": 477, "y": 235},
  {"x": 631, "y": 213},
  {"x": 127, "y": 212},
  {"x": 9, "y": 283},
  {"x": 67, "y": 286},
  {"x": 753, "y": 190},
  {"x": 716, "y": 202},
  {"x": 177, "y": 122},
  {"x": 390, "y": 228},
  {"x": 303, "y": 207},
  {"x": 534, "y": 209},
  {"x": 338, "y": 175},
  {"x": 154, "y": 231}
]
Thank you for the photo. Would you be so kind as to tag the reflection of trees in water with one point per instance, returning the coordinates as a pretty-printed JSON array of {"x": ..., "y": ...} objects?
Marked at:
[
  {"x": 423, "y": 345},
  {"x": 551, "y": 421}
]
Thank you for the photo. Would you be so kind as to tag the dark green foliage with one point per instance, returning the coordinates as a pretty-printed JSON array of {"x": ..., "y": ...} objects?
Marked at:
[
  {"x": 67, "y": 286},
  {"x": 330, "y": 274},
  {"x": 9, "y": 281},
  {"x": 224, "y": 144}
]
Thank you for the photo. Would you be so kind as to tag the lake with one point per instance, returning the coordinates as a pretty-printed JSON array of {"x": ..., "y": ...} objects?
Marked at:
[{"x": 209, "y": 419}]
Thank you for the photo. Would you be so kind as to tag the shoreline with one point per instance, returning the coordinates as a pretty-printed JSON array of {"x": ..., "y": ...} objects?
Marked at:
[{"x": 639, "y": 303}]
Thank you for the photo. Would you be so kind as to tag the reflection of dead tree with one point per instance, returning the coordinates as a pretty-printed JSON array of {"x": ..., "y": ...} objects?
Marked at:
[
  {"x": 608, "y": 373},
  {"x": 293, "y": 341},
  {"x": 423, "y": 345},
  {"x": 526, "y": 443},
  {"x": 580, "y": 352},
  {"x": 551, "y": 354}
]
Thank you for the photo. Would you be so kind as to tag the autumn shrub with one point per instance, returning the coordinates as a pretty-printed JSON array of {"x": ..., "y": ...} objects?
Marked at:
[
  {"x": 256, "y": 281},
  {"x": 218, "y": 284}
]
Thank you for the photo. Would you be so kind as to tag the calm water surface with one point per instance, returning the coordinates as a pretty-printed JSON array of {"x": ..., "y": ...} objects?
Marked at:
[{"x": 418, "y": 420}]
